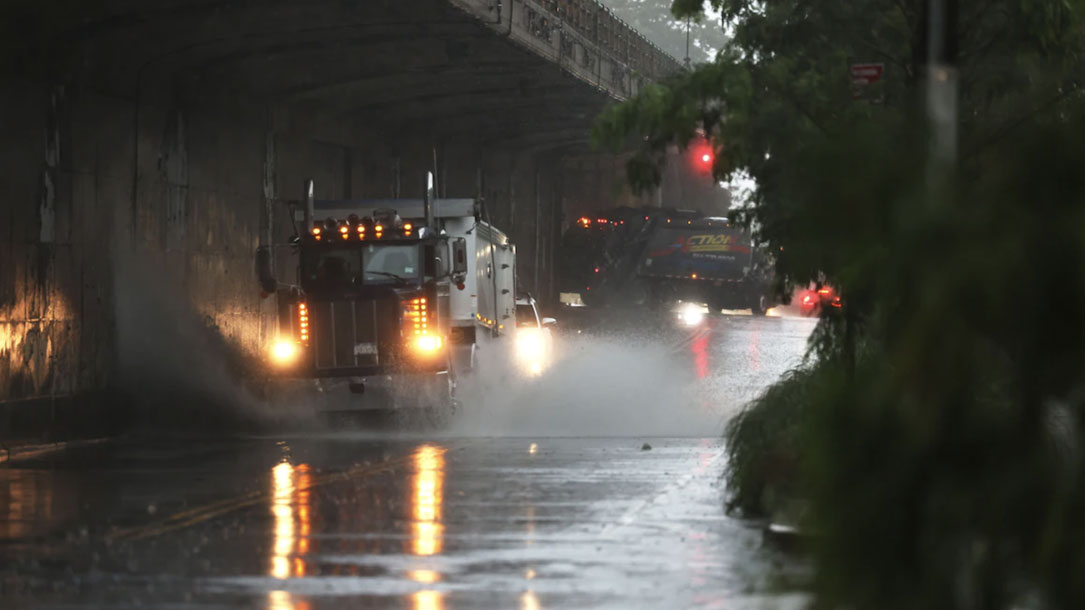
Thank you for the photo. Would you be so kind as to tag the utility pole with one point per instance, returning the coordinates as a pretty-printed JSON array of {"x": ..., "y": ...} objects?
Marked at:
[
  {"x": 941, "y": 77},
  {"x": 688, "y": 63}
]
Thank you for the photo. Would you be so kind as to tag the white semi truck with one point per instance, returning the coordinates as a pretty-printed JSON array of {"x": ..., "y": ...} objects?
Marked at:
[{"x": 390, "y": 297}]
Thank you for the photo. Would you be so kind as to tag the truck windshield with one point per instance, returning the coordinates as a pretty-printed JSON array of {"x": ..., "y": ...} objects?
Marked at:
[
  {"x": 390, "y": 263},
  {"x": 338, "y": 268}
]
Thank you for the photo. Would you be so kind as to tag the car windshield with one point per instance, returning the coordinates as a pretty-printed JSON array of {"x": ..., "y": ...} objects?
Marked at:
[
  {"x": 369, "y": 264},
  {"x": 525, "y": 316}
]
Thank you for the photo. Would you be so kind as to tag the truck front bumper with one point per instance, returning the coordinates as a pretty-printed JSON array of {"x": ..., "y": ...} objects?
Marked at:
[{"x": 413, "y": 390}]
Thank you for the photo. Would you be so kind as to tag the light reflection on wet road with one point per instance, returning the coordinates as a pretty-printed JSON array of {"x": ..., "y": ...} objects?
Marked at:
[{"x": 377, "y": 520}]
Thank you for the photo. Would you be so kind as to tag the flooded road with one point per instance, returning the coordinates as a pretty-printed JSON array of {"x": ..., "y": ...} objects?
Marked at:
[{"x": 580, "y": 507}]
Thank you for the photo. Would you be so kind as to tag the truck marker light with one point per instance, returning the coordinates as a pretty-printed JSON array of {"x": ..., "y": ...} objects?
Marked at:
[
  {"x": 361, "y": 231},
  {"x": 379, "y": 230},
  {"x": 343, "y": 230},
  {"x": 415, "y": 315},
  {"x": 694, "y": 276},
  {"x": 303, "y": 323}
]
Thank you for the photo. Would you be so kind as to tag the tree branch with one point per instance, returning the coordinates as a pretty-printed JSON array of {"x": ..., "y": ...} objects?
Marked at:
[{"x": 1011, "y": 125}]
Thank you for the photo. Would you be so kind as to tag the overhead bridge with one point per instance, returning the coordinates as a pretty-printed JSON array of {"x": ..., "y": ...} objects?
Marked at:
[
  {"x": 150, "y": 146},
  {"x": 489, "y": 69}
]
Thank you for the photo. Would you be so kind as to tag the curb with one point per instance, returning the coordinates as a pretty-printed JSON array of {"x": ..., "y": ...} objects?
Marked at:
[{"x": 26, "y": 452}]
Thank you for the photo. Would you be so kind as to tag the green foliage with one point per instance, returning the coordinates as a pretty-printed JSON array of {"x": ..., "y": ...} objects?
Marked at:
[
  {"x": 937, "y": 431},
  {"x": 784, "y": 84},
  {"x": 653, "y": 19},
  {"x": 764, "y": 446}
]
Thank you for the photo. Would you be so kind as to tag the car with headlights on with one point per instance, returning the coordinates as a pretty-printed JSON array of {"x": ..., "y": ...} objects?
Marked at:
[{"x": 534, "y": 341}]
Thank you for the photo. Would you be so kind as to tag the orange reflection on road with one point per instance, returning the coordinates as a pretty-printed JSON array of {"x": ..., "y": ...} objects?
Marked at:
[
  {"x": 281, "y": 600},
  {"x": 428, "y": 485},
  {"x": 424, "y": 576},
  {"x": 529, "y": 601},
  {"x": 428, "y": 600},
  {"x": 427, "y": 529},
  {"x": 26, "y": 503},
  {"x": 290, "y": 507}
]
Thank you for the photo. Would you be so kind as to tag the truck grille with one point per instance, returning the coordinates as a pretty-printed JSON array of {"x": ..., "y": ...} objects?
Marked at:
[{"x": 345, "y": 333}]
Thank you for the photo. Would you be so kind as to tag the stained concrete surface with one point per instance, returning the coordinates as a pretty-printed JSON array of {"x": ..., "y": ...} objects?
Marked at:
[{"x": 566, "y": 511}]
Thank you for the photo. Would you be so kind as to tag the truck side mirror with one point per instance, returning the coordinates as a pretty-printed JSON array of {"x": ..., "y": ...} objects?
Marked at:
[
  {"x": 264, "y": 274},
  {"x": 459, "y": 257}
]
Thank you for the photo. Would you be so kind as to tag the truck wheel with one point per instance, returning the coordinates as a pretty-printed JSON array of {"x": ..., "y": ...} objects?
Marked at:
[{"x": 760, "y": 305}]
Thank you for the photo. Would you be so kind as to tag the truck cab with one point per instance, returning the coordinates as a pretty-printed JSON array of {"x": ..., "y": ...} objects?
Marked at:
[{"x": 371, "y": 300}]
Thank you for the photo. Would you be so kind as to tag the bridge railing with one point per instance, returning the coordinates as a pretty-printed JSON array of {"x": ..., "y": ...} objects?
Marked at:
[{"x": 583, "y": 36}]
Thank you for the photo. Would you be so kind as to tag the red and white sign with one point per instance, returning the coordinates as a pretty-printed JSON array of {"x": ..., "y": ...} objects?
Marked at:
[{"x": 863, "y": 75}]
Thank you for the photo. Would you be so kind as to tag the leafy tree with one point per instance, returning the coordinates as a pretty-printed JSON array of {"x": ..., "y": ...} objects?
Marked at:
[
  {"x": 784, "y": 82},
  {"x": 654, "y": 20},
  {"x": 937, "y": 434}
]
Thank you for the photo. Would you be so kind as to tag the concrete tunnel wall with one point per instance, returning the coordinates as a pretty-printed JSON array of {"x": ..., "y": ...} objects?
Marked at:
[{"x": 210, "y": 189}]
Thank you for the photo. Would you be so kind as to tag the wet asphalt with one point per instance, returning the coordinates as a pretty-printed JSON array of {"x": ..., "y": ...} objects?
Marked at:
[{"x": 571, "y": 514}]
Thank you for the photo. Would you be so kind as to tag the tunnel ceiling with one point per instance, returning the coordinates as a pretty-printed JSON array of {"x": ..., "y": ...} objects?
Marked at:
[{"x": 419, "y": 64}]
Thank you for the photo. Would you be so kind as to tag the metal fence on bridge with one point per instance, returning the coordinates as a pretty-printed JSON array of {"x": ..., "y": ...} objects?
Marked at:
[{"x": 584, "y": 37}]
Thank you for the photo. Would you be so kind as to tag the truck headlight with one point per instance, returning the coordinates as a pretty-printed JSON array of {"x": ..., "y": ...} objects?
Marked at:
[
  {"x": 284, "y": 352},
  {"x": 427, "y": 343}
]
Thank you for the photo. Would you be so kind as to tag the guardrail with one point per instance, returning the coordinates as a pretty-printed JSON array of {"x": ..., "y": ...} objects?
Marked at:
[{"x": 583, "y": 36}]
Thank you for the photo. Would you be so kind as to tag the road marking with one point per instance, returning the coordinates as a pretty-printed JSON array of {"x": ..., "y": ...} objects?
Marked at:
[
  {"x": 27, "y": 452},
  {"x": 192, "y": 516},
  {"x": 700, "y": 333}
]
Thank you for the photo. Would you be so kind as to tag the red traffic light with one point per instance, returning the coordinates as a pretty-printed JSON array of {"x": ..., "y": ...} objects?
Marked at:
[{"x": 703, "y": 156}]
